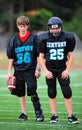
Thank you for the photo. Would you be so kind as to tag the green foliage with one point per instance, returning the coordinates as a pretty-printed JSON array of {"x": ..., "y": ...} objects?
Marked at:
[
  {"x": 68, "y": 10},
  {"x": 75, "y": 24},
  {"x": 38, "y": 19},
  {"x": 4, "y": 19}
]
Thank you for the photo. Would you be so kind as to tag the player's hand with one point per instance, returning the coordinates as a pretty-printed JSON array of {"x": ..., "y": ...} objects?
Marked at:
[
  {"x": 10, "y": 74},
  {"x": 65, "y": 74},
  {"x": 37, "y": 73},
  {"x": 49, "y": 75}
]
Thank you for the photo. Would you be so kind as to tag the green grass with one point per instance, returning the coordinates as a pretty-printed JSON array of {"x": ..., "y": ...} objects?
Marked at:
[{"x": 10, "y": 108}]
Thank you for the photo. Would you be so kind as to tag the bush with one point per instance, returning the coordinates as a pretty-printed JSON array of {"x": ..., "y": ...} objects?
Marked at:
[
  {"x": 38, "y": 19},
  {"x": 75, "y": 24}
]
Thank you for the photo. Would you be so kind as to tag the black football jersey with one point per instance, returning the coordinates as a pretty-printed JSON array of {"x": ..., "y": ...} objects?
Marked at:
[
  {"x": 56, "y": 48},
  {"x": 23, "y": 53}
]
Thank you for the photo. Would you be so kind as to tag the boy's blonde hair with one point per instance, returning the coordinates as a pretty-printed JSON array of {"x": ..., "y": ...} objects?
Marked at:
[{"x": 22, "y": 20}]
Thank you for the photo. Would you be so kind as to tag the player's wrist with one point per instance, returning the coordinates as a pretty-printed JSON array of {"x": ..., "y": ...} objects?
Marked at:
[
  {"x": 38, "y": 68},
  {"x": 9, "y": 71}
]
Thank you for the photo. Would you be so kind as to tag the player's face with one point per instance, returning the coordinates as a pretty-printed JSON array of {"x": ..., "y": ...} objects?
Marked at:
[
  {"x": 55, "y": 31},
  {"x": 22, "y": 29}
]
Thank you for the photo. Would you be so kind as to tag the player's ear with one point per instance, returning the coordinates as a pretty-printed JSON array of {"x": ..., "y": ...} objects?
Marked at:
[
  {"x": 28, "y": 26},
  {"x": 17, "y": 26}
]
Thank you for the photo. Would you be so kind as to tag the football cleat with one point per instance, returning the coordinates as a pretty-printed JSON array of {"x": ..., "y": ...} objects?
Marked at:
[
  {"x": 54, "y": 119},
  {"x": 73, "y": 120},
  {"x": 39, "y": 117},
  {"x": 22, "y": 117}
]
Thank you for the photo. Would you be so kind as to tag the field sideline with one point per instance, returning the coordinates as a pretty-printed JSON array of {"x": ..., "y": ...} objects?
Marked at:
[{"x": 10, "y": 109}]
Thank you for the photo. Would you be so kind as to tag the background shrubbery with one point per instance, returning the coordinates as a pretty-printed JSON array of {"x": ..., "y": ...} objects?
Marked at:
[{"x": 39, "y": 11}]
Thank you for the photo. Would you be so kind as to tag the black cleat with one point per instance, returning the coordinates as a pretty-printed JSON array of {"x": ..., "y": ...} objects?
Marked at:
[
  {"x": 54, "y": 119},
  {"x": 22, "y": 117},
  {"x": 73, "y": 120},
  {"x": 39, "y": 117}
]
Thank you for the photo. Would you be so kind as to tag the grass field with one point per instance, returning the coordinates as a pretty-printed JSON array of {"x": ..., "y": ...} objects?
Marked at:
[{"x": 10, "y": 108}]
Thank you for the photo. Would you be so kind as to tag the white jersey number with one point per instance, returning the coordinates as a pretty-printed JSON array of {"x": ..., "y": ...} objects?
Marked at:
[{"x": 57, "y": 54}]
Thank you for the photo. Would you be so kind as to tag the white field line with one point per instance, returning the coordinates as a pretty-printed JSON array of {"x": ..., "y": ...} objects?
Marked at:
[
  {"x": 77, "y": 85},
  {"x": 78, "y": 103},
  {"x": 43, "y": 96},
  {"x": 43, "y": 91},
  {"x": 40, "y": 124},
  {"x": 48, "y": 111},
  {"x": 2, "y": 95},
  {"x": 3, "y": 75},
  {"x": 72, "y": 74},
  {"x": 45, "y": 86},
  {"x": 8, "y": 95}
]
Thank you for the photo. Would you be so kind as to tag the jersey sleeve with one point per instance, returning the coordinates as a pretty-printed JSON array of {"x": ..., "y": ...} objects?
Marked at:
[
  {"x": 41, "y": 41},
  {"x": 10, "y": 49},
  {"x": 71, "y": 42},
  {"x": 36, "y": 54},
  {"x": 42, "y": 47}
]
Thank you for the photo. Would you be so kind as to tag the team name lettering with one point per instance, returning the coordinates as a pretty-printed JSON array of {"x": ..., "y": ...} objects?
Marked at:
[
  {"x": 56, "y": 44},
  {"x": 24, "y": 48}
]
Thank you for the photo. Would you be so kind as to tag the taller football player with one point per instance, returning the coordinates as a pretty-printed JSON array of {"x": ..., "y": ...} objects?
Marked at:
[{"x": 56, "y": 47}]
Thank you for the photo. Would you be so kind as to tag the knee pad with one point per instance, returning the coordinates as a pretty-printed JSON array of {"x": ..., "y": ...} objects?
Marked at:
[
  {"x": 52, "y": 93},
  {"x": 67, "y": 93}
]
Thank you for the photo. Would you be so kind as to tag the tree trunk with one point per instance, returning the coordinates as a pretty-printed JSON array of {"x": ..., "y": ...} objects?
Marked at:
[{"x": 11, "y": 18}]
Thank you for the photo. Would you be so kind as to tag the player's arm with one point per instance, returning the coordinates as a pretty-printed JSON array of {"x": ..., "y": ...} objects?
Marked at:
[
  {"x": 65, "y": 73},
  {"x": 10, "y": 66},
  {"x": 11, "y": 55},
  {"x": 42, "y": 62},
  {"x": 38, "y": 69},
  {"x": 70, "y": 60},
  {"x": 48, "y": 74}
]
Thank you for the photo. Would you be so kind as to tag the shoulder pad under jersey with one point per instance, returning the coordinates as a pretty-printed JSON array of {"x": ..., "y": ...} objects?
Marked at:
[
  {"x": 42, "y": 36},
  {"x": 69, "y": 35}
]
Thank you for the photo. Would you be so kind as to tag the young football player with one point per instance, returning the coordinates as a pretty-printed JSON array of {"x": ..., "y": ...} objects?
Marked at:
[
  {"x": 56, "y": 47},
  {"x": 23, "y": 56}
]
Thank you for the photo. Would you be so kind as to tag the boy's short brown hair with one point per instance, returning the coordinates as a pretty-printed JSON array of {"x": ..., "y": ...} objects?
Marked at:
[{"x": 22, "y": 20}]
